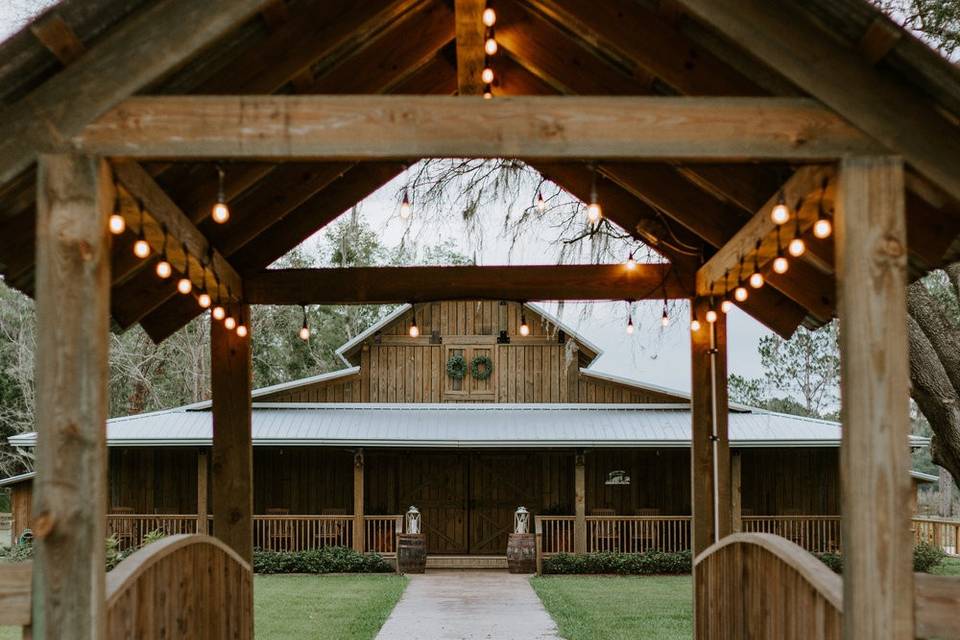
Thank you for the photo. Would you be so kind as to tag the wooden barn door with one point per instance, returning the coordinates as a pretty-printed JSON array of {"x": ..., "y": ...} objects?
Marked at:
[
  {"x": 499, "y": 483},
  {"x": 437, "y": 484}
]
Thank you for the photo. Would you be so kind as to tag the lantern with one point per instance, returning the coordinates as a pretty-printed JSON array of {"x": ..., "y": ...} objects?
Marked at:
[
  {"x": 413, "y": 520},
  {"x": 521, "y": 520}
]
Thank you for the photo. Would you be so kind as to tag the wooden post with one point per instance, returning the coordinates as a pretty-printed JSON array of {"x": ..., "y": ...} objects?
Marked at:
[
  {"x": 710, "y": 447},
  {"x": 232, "y": 463},
  {"x": 579, "y": 504},
  {"x": 359, "y": 530},
  {"x": 736, "y": 500},
  {"x": 74, "y": 199},
  {"x": 202, "y": 507},
  {"x": 872, "y": 278}
]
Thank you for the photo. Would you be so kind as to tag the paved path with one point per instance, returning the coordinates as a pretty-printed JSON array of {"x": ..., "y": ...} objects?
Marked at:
[{"x": 459, "y": 605}]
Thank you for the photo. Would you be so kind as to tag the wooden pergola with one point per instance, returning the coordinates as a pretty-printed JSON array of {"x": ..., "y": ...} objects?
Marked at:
[{"x": 698, "y": 117}]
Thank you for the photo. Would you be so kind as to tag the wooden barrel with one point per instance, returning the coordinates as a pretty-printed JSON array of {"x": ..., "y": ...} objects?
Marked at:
[
  {"x": 522, "y": 553},
  {"x": 411, "y": 553}
]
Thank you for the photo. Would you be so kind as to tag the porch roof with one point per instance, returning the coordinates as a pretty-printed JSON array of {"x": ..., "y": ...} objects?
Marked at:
[{"x": 468, "y": 426}]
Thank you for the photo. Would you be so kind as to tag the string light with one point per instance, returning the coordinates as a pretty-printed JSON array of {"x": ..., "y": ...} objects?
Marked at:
[
  {"x": 665, "y": 316},
  {"x": 780, "y": 263},
  {"x": 490, "y": 44},
  {"x": 164, "y": 270},
  {"x": 631, "y": 263},
  {"x": 487, "y": 91},
  {"x": 797, "y": 246},
  {"x": 414, "y": 329},
  {"x": 740, "y": 293},
  {"x": 204, "y": 299},
  {"x": 405, "y": 208},
  {"x": 241, "y": 327},
  {"x": 305, "y": 328},
  {"x": 220, "y": 212},
  {"x": 524, "y": 327},
  {"x": 486, "y": 76},
  {"x": 630, "y": 327},
  {"x": 489, "y": 17},
  {"x": 116, "y": 223},
  {"x": 725, "y": 304},
  {"x": 780, "y": 213},
  {"x": 218, "y": 312},
  {"x": 756, "y": 278},
  {"x": 712, "y": 311},
  {"x": 593, "y": 210},
  {"x": 141, "y": 248},
  {"x": 185, "y": 284},
  {"x": 694, "y": 325},
  {"x": 822, "y": 228},
  {"x": 541, "y": 203},
  {"x": 229, "y": 322}
]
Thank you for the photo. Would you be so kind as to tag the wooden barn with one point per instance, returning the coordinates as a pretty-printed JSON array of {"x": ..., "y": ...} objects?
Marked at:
[{"x": 401, "y": 425}]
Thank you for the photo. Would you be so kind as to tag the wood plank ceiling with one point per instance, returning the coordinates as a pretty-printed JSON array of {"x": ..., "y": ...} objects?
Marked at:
[{"x": 616, "y": 47}]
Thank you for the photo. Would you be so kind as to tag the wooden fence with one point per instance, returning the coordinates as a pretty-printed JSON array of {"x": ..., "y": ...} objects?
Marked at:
[
  {"x": 271, "y": 532},
  {"x": 939, "y": 532},
  {"x": 184, "y": 586}
]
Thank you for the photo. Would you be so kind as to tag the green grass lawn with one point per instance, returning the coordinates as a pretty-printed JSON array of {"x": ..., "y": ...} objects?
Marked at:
[
  {"x": 613, "y": 607},
  {"x": 351, "y": 607},
  {"x": 949, "y": 567}
]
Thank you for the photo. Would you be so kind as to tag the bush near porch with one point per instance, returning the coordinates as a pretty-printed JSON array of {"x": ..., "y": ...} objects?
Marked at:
[
  {"x": 324, "y": 560},
  {"x": 608, "y": 562},
  {"x": 926, "y": 559}
]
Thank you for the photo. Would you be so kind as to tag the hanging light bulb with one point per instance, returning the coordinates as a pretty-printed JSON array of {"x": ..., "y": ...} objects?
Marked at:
[
  {"x": 230, "y": 323},
  {"x": 741, "y": 293},
  {"x": 780, "y": 212},
  {"x": 218, "y": 313},
  {"x": 630, "y": 327},
  {"x": 405, "y": 208},
  {"x": 204, "y": 300},
  {"x": 487, "y": 91},
  {"x": 593, "y": 209},
  {"x": 797, "y": 247},
  {"x": 164, "y": 270},
  {"x": 241, "y": 327},
  {"x": 489, "y": 17},
  {"x": 490, "y": 45},
  {"x": 711, "y": 312},
  {"x": 822, "y": 228},
  {"x": 780, "y": 263},
  {"x": 116, "y": 223},
  {"x": 631, "y": 263},
  {"x": 756, "y": 278},
  {"x": 220, "y": 212},
  {"x": 141, "y": 248},
  {"x": 305, "y": 328},
  {"x": 541, "y": 203},
  {"x": 665, "y": 316},
  {"x": 414, "y": 329},
  {"x": 524, "y": 327},
  {"x": 694, "y": 325},
  {"x": 486, "y": 76},
  {"x": 185, "y": 284},
  {"x": 726, "y": 305}
]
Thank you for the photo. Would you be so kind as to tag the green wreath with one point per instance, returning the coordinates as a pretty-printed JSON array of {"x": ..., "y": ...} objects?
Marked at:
[
  {"x": 481, "y": 367},
  {"x": 456, "y": 367}
]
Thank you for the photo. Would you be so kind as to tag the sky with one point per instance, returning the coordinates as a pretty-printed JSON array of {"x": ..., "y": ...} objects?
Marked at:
[{"x": 653, "y": 354}]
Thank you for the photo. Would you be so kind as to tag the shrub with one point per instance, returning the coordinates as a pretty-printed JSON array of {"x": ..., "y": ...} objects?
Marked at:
[
  {"x": 925, "y": 558},
  {"x": 325, "y": 560},
  {"x": 647, "y": 563},
  {"x": 19, "y": 552}
]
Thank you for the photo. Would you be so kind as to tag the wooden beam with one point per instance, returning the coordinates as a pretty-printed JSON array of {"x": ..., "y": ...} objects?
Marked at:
[
  {"x": 887, "y": 109},
  {"x": 470, "y": 38},
  {"x": 804, "y": 186},
  {"x": 399, "y": 127},
  {"x": 160, "y": 211},
  {"x": 57, "y": 36},
  {"x": 579, "y": 503},
  {"x": 74, "y": 199},
  {"x": 875, "y": 385},
  {"x": 203, "y": 508},
  {"x": 232, "y": 452},
  {"x": 141, "y": 49},
  {"x": 359, "y": 526},
  {"x": 388, "y": 285},
  {"x": 710, "y": 444}
]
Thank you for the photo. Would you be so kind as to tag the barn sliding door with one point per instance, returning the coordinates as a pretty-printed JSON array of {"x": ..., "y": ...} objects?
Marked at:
[{"x": 499, "y": 483}]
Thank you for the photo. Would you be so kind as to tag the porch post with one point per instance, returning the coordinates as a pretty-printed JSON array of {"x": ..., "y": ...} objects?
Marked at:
[
  {"x": 74, "y": 199},
  {"x": 579, "y": 504},
  {"x": 736, "y": 492},
  {"x": 709, "y": 446},
  {"x": 359, "y": 530},
  {"x": 202, "y": 508},
  {"x": 871, "y": 259},
  {"x": 232, "y": 459}
]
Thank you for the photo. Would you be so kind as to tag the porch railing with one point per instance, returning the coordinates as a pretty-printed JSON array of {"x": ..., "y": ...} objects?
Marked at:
[
  {"x": 270, "y": 532},
  {"x": 939, "y": 532},
  {"x": 636, "y": 534},
  {"x": 816, "y": 534}
]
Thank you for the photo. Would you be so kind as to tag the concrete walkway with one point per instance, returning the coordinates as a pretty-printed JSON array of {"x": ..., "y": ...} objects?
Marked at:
[{"x": 458, "y": 605}]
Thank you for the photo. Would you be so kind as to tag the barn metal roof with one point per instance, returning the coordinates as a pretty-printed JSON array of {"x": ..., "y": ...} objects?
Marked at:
[{"x": 468, "y": 426}]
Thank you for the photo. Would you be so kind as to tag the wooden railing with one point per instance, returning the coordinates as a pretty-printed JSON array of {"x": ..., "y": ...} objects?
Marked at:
[
  {"x": 380, "y": 533},
  {"x": 816, "y": 534},
  {"x": 760, "y": 585},
  {"x": 184, "y": 586},
  {"x": 298, "y": 533},
  {"x": 636, "y": 534},
  {"x": 130, "y": 528},
  {"x": 938, "y": 532},
  {"x": 555, "y": 534}
]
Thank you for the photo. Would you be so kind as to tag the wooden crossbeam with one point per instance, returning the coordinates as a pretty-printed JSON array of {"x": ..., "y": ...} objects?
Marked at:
[
  {"x": 138, "y": 51},
  {"x": 470, "y": 55},
  {"x": 387, "y": 285},
  {"x": 399, "y": 127},
  {"x": 160, "y": 211},
  {"x": 804, "y": 186},
  {"x": 788, "y": 39}
]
